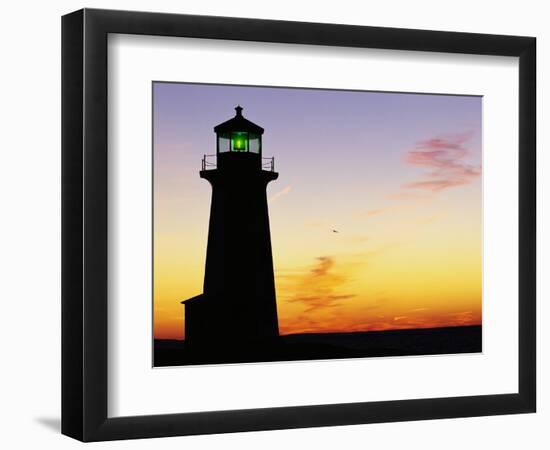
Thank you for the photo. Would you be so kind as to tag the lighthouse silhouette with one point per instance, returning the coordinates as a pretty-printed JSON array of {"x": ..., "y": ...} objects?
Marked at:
[{"x": 238, "y": 303}]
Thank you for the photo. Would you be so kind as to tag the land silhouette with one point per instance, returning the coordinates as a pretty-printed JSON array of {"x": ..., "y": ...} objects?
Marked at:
[{"x": 309, "y": 346}]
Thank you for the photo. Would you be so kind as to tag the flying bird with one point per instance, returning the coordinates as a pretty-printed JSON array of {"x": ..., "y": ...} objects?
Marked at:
[{"x": 335, "y": 231}]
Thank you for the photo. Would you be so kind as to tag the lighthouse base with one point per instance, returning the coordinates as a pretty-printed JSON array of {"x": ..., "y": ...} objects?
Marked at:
[{"x": 216, "y": 322}]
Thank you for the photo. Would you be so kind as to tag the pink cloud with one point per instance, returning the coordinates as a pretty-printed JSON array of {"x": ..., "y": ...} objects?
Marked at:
[{"x": 445, "y": 157}]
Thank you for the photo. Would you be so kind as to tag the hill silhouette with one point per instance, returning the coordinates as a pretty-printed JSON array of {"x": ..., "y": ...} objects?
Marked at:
[{"x": 310, "y": 346}]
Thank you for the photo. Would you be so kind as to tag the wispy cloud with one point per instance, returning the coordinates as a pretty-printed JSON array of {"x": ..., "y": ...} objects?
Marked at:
[
  {"x": 396, "y": 207},
  {"x": 315, "y": 289},
  {"x": 408, "y": 196},
  {"x": 375, "y": 212},
  {"x": 370, "y": 213},
  {"x": 279, "y": 194},
  {"x": 446, "y": 158}
]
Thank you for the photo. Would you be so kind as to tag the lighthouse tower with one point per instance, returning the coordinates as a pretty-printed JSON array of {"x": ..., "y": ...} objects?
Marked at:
[{"x": 238, "y": 301}]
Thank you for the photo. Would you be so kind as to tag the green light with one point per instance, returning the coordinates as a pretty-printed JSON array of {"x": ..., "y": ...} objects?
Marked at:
[{"x": 240, "y": 142}]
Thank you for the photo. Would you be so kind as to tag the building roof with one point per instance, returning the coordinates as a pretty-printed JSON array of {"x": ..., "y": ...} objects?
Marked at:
[
  {"x": 193, "y": 299},
  {"x": 238, "y": 123}
]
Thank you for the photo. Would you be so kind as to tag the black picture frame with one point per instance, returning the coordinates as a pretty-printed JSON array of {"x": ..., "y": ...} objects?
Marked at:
[{"x": 84, "y": 224}]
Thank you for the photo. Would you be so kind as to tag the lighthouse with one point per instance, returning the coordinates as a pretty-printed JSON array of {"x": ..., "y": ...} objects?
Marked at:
[{"x": 238, "y": 303}]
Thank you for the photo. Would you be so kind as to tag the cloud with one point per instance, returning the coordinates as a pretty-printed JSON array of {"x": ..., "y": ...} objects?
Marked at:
[
  {"x": 426, "y": 318},
  {"x": 397, "y": 207},
  {"x": 324, "y": 297},
  {"x": 405, "y": 195},
  {"x": 463, "y": 318},
  {"x": 370, "y": 213},
  {"x": 317, "y": 288},
  {"x": 445, "y": 157},
  {"x": 279, "y": 194},
  {"x": 375, "y": 212}
]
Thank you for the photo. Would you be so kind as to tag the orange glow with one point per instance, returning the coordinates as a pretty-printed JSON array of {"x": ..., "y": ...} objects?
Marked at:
[{"x": 414, "y": 266}]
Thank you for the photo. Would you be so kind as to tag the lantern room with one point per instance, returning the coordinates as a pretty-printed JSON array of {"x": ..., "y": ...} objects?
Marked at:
[{"x": 238, "y": 135}]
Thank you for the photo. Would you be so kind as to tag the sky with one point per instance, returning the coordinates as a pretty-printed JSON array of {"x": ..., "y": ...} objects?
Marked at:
[{"x": 396, "y": 175}]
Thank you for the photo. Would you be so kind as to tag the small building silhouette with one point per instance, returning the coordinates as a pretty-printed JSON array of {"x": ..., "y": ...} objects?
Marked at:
[{"x": 238, "y": 301}]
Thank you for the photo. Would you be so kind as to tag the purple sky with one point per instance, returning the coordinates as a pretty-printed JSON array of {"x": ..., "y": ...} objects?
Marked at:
[{"x": 343, "y": 133}]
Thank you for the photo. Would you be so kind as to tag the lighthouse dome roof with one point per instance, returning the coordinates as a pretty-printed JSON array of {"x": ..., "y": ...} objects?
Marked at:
[{"x": 238, "y": 123}]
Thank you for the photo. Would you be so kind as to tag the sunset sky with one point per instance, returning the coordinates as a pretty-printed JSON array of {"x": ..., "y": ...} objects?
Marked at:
[{"x": 397, "y": 175}]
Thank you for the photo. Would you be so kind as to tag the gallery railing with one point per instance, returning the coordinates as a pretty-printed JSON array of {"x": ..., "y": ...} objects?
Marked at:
[
  {"x": 268, "y": 164},
  {"x": 209, "y": 163}
]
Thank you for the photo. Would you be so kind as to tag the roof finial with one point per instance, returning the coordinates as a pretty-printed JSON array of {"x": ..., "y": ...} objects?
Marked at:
[{"x": 239, "y": 110}]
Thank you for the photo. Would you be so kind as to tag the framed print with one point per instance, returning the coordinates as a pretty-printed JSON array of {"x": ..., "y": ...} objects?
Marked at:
[{"x": 266, "y": 224}]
